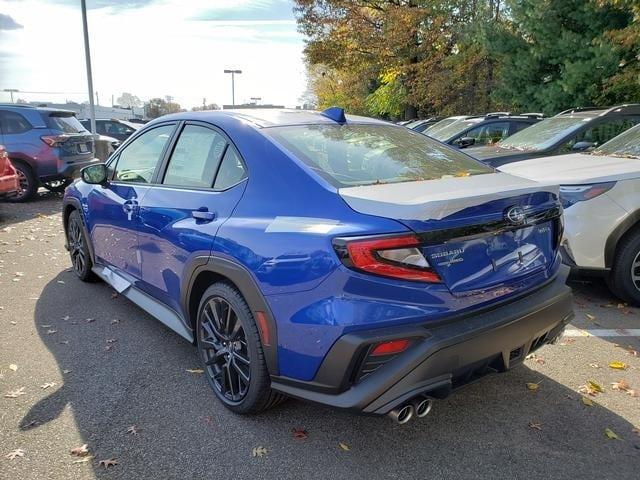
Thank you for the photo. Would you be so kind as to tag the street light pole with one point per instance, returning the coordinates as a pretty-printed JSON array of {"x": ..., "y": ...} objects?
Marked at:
[
  {"x": 11, "y": 92},
  {"x": 233, "y": 86},
  {"x": 87, "y": 57}
]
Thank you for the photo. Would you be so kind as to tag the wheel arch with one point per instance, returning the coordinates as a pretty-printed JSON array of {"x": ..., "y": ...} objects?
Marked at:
[
  {"x": 629, "y": 224},
  {"x": 69, "y": 205},
  {"x": 206, "y": 271}
]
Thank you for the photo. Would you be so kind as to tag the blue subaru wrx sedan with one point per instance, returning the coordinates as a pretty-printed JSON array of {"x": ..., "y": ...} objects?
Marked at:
[{"x": 338, "y": 259}]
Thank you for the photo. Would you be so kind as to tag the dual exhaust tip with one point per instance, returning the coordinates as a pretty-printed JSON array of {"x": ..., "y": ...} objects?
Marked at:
[{"x": 417, "y": 407}]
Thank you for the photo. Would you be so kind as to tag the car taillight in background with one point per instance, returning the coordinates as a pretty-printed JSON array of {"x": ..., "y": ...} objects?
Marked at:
[
  {"x": 395, "y": 257},
  {"x": 572, "y": 194},
  {"x": 54, "y": 140}
]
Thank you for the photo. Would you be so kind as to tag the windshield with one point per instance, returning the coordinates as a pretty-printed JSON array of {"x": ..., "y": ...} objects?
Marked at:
[
  {"x": 353, "y": 155},
  {"x": 63, "y": 122},
  {"x": 441, "y": 124},
  {"x": 453, "y": 129},
  {"x": 543, "y": 134},
  {"x": 626, "y": 144}
]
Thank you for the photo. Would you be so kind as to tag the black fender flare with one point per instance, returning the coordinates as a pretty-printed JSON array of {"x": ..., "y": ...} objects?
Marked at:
[
  {"x": 246, "y": 284},
  {"x": 614, "y": 237}
]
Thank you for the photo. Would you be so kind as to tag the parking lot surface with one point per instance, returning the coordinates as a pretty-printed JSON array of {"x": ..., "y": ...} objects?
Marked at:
[{"x": 80, "y": 365}]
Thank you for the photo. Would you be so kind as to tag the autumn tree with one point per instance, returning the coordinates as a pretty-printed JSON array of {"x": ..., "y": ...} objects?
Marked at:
[{"x": 156, "y": 107}]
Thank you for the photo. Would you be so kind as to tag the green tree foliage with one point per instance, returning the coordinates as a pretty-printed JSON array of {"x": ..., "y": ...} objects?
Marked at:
[{"x": 396, "y": 58}]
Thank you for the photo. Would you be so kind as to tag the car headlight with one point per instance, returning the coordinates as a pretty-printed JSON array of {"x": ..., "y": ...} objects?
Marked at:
[{"x": 572, "y": 194}]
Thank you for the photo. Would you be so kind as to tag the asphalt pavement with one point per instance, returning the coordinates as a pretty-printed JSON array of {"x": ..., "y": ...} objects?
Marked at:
[{"x": 79, "y": 365}]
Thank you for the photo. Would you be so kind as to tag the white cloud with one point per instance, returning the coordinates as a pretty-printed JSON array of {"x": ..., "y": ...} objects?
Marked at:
[{"x": 168, "y": 47}]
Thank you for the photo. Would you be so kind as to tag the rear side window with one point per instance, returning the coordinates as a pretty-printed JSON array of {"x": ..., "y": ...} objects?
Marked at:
[
  {"x": 12, "y": 123},
  {"x": 231, "y": 171},
  {"x": 352, "y": 155},
  {"x": 196, "y": 157},
  {"x": 63, "y": 122},
  {"x": 602, "y": 132},
  {"x": 138, "y": 161}
]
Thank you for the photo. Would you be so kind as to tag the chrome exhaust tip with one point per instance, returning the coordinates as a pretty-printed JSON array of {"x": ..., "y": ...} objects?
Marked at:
[
  {"x": 422, "y": 406},
  {"x": 403, "y": 414}
]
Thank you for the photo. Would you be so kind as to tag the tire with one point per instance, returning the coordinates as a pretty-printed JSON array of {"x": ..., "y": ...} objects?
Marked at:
[
  {"x": 57, "y": 186},
  {"x": 79, "y": 249},
  {"x": 226, "y": 341},
  {"x": 624, "y": 279},
  {"x": 28, "y": 183}
]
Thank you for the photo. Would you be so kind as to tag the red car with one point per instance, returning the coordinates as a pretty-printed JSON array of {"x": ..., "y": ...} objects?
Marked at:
[{"x": 9, "y": 183}]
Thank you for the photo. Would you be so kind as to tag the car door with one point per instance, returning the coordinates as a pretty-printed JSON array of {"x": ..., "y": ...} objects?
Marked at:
[
  {"x": 113, "y": 219},
  {"x": 199, "y": 187}
]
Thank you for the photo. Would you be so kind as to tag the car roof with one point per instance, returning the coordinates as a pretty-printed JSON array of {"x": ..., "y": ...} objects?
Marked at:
[
  {"x": 262, "y": 118},
  {"x": 20, "y": 106}
]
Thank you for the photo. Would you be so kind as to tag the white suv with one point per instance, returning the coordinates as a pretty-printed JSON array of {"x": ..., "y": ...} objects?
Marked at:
[{"x": 600, "y": 192}]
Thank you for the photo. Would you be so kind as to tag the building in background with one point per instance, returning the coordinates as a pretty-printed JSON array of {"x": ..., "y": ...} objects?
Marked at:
[{"x": 82, "y": 110}]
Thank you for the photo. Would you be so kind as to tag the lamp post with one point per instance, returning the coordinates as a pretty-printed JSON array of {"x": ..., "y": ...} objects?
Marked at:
[
  {"x": 11, "y": 91},
  {"x": 87, "y": 57},
  {"x": 233, "y": 86}
]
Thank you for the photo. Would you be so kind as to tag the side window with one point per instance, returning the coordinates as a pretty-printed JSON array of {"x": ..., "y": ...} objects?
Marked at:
[
  {"x": 517, "y": 126},
  {"x": 139, "y": 159},
  {"x": 601, "y": 132},
  {"x": 196, "y": 157},
  {"x": 490, "y": 133},
  {"x": 12, "y": 123},
  {"x": 231, "y": 170}
]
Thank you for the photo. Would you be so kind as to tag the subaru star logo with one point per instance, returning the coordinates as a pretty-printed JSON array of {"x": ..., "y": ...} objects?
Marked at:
[{"x": 515, "y": 215}]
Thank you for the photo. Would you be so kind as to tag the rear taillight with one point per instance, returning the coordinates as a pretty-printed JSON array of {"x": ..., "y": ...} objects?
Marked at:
[
  {"x": 396, "y": 257},
  {"x": 572, "y": 194},
  {"x": 54, "y": 140}
]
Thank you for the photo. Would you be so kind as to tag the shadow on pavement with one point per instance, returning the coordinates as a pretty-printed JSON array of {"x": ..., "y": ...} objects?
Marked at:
[
  {"x": 45, "y": 203},
  {"x": 124, "y": 368}
]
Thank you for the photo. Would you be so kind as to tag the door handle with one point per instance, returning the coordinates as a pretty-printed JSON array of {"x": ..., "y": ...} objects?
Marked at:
[{"x": 203, "y": 215}]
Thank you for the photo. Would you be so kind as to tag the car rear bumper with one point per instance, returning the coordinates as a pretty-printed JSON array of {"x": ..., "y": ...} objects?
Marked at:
[
  {"x": 442, "y": 357},
  {"x": 71, "y": 168}
]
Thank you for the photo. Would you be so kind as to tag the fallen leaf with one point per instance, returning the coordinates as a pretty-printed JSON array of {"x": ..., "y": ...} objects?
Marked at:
[
  {"x": 535, "y": 426},
  {"x": 533, "y": 386},
  {"x": 108, "y": 348},
  {"x": 195, "y": 370},
  {"x": 610, "y": 434},
  {"x": 259, "y": 452},
  {"x": 591, "y": 388},
  {"x": 567, "y": 341},
  {"x": 587, "y": 401},
  {"x": 18, "y": 452},
  {"x": 82, "y": 451},
  {"x": 114, "y": 295},
  {"x": 594, "y": 365},
  {"x": 115, "y": 321},
  {"x": 13, "y": 367},
  {"x": 111, "y": 340},
  {"x": 51, "y": 332},
  {"x": 48, "y": 385},
  {"x": 300, "y": 434},
  {"x": 109, "y": 462},
  {"x": 133, "y": 430},
  {"x": 590, "y": 317},
  {"x": 86, "y": 459},
  {"x": 15, "y": 393},
  {"x": 67, "y": 371},
  {"x": 90, "y": 320},
  {"x": 46, "y": 326},
  {"x": 618, "y": 365},
  {"x": 344, "y": 446},
  {"x": 540, "y": 360}
]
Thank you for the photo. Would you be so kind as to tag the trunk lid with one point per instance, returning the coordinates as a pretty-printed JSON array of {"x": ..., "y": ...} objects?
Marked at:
[{"x": 478, "y": 233}]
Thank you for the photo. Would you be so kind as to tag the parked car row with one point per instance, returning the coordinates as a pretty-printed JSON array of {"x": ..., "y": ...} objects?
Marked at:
[{"x": 48, "y": 147}]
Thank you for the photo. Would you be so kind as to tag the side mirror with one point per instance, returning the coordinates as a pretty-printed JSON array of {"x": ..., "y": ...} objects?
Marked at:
[
  {"x": 95, "y": 174},
  {"x": 465, "y": 142},
  {"x": 582, "y": 146}
]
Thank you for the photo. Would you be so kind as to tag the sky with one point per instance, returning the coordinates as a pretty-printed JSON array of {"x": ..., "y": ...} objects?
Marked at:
[{"x": 152, "y": 48}]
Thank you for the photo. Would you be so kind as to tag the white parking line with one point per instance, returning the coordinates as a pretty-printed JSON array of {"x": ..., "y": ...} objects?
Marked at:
[{"x": 595, "y": 332}]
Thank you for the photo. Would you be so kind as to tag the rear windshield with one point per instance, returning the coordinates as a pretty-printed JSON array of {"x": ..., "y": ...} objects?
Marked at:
[
  {"x": 626, "y": 145},
  {"x": 543, "y": 134},
  {"x": 63, "y": 122},
  {"x": 353, "y": 155},
  {"x": 440, "y": 125}
]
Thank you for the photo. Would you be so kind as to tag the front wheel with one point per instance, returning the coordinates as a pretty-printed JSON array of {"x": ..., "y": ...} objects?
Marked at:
[
  {"x": 79, "y": 249},
  {"x": 231, "y": 352},
  {"x": 624, "y": 279}
]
